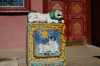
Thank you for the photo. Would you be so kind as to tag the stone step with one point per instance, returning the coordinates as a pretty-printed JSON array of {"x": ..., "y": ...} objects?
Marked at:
[
  {"x": 9, "y": 61},
  {"x": 2, "y": 56},
  {"x": 22, "y": 64}
]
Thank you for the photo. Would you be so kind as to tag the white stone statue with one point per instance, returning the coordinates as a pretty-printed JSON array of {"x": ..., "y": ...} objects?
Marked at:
[
  {"x": 51, "y": 46},
  {"x": 55, "y": 16}
]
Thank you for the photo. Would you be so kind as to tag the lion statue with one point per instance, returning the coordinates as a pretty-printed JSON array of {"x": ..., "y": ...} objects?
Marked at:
[{"x": 55, "y": 16}]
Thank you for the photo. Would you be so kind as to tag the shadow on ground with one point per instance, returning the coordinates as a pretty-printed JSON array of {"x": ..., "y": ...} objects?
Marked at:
[{"x": 97, "y": 57}]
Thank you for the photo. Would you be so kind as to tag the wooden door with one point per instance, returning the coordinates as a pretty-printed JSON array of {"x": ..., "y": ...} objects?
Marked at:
[
  {"x": 74, "y": 15},
  {"x": 76, "y": 20}
]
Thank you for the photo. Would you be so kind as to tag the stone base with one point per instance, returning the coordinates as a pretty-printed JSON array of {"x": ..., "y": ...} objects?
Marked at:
[
  {"x": 8, "y": 62},
  {"x": 75, "y": 43},
  {"x": 41, "y": 33}
]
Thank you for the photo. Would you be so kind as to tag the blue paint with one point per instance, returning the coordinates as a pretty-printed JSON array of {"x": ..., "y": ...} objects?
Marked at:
[
  {"x": 39, "y": 39},
  {"x": 49, "y": 63}
]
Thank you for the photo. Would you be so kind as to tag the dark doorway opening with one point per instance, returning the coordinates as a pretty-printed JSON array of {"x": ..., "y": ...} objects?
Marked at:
[{"x": 95, "y": 21}]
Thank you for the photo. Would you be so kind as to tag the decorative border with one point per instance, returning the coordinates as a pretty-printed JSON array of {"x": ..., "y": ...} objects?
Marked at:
[
  {"x": 62, "y": 63},
  {"x": 30, "y": 58}
]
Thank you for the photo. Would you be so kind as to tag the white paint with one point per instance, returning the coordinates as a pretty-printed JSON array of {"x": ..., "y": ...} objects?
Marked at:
[
  {"x": 43, "y": 18},
  {"x": 49, "y": 46}
]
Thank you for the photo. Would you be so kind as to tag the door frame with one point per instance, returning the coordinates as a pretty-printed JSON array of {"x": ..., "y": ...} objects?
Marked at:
[{"x": 88, "y": 13}]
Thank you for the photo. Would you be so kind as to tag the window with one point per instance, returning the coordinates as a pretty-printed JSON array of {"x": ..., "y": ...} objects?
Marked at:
[
  {"x": 11, "y": 3},
  {"x": 14, "y": 6}
]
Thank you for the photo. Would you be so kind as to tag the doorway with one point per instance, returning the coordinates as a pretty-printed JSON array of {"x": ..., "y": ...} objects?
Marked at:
[{"x": 95, "y": 21}]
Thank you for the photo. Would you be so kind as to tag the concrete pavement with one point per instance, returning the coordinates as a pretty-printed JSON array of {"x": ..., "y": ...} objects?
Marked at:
[
  {"x": 83, "y": 56},
  {"x": 76, "y": 56}
]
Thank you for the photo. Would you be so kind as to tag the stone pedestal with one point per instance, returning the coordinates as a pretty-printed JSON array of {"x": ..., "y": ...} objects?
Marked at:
[{"x": 46, "y": 44}]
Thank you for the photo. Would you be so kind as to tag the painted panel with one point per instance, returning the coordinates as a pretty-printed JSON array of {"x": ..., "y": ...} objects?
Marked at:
[
  {"x": 43, "y": 44},
  {"x": 77, "y": 28},
  {"x": 40, "y": 34},
  {"x": 76, "y": 13},
  {"x": 77, "y": 8},
  {"x": 57, "y": 5}
]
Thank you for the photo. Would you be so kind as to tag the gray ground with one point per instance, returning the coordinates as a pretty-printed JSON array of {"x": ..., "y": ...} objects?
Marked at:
[
  {"x": 76, "y": 56},
  {"x": 83, "y": 56}
]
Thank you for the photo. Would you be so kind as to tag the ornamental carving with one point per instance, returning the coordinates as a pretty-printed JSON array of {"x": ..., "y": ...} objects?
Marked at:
[
  {"x": 49, "y": 0},
  {"x": 57, "y": 6},
  {"x": 65, "y": 16},
  {"x": 77, "y": 28},
  {"x": 77, "y": 8}
]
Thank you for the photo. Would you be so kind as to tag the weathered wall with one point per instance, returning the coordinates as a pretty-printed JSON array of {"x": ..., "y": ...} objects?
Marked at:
[{"x": 13, "y": 28}]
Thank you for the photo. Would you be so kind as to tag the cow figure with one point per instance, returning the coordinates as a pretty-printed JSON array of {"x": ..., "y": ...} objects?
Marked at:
[{"x": 51, "y": 46}]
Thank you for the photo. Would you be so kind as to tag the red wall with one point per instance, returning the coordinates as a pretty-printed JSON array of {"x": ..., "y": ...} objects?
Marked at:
[
  {"x": 37, "y": 5},
  {"x": 13, "y": 28},
  {"x": 12, "y": 32}
]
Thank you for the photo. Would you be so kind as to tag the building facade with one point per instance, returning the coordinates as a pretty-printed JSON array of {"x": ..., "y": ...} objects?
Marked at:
[{"x": 13, "y": 21}]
